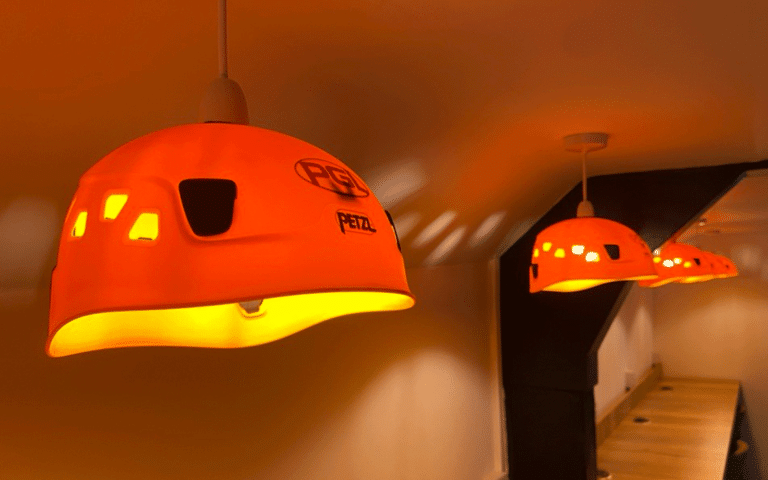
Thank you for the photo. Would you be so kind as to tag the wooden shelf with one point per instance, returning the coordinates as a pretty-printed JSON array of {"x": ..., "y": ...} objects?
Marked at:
[{"x": 687, "y": 435}]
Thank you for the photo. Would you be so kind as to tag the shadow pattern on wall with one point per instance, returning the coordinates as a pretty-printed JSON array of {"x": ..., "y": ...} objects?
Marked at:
[{"x": 549, "y": 341}]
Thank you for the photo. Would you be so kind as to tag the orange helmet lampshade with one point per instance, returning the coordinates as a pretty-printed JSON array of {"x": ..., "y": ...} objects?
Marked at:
[
  {"x": 678, "y": 262},
  {"x": 724, "y": 267},
  {"x": 218, "y": 235},
  {"x": 706, "y": 271},
  {"x": 584, "y": 252}
]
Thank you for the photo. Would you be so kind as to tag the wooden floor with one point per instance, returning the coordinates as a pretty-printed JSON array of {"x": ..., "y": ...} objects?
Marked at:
[{"x": 687, "y": 435}]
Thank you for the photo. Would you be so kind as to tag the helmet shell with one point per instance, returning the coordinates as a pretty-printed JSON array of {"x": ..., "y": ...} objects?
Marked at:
[
  {"x": 584, "y": 252},
  {"x": 302, "y": 222}
]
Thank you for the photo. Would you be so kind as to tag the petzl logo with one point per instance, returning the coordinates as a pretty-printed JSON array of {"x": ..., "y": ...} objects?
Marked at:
[
  {"x": 354, "y": 222},
  {"x": 328, "y": 175}
]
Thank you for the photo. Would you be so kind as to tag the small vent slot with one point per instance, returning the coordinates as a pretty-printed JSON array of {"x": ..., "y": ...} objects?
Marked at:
[
  {"x": 612, "y": 251},
  {"x": 209, "y": 204},
  {"x": 78, "y": 229},
  {"x": 113, "y": 205},
  {"x": 535, "y": 270},
  {"x": 698, "y": 262},
  {"x": 145, "y": 228}
]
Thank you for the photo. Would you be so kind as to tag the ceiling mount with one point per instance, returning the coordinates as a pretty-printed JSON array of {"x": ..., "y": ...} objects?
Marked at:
[
  {"x": 224, "y": 100},
  {"x": 586, "y": 142}
]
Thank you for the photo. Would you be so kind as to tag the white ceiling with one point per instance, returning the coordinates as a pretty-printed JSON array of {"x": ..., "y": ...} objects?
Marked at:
[
  {"x": 742, "y": 210},
  {"x": 453, "y": 111}
]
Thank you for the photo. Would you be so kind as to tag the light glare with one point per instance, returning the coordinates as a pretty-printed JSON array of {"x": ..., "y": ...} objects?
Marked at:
[
  {"x": 405, "y": 223},
  {"x": 434, "y": 229},
  {"x": 445, "y": 247},
  {"x": 397, "y": 182},
  {"x": 486, "y": 229}
]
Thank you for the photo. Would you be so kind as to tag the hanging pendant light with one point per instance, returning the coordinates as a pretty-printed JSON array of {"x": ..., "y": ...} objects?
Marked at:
[
  {"x": 678, "y": 262},
  {"x": 710, "y": 265},
  {"x": 724, "y": 267},
  {"x": 681, "y": 263},
  {"x": 220, "y": 235},
  {"x": 587, "y": 251},
  {"x": 718, "y": 267}
]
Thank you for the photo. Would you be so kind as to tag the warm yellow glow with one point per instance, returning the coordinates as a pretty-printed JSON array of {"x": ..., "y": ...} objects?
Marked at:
[
  {"x": 577, "y": 249},
  {"x": 79, "y": 228},
  {"x": 145, "y": 227},
  {"x": 687, "y": 265},
  {"x": 575, "y": 285},
  {"x": 547, "y": 246},
  {"x": 113, "y": 205},
  {"x": 678, "y": 260},
  {"x": 656, "y": 259},
  {"x": 559, "y": 253},
  {"x": 592, "y": 257},
  {"x": 583, "y": 284},
  {"x": 535, "y": 253},
  {"x": 696, "y": 279},
  {"x": 642, "y": 277},
  {"x": 663, "y": 282},
  {"x": 668, "y": 263},
  {"x": 216, "y": 326}
]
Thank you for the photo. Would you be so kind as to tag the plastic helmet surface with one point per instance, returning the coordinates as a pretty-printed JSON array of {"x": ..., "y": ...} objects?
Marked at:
[
  {"x": 584, "y": 252},
  {"x": 725, "y": 267},
  {"x": 218, "y": 235},
  {"x": 681, "y": 263}
]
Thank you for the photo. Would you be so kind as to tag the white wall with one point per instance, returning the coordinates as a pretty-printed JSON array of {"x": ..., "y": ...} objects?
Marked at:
[
  {"x": 627, "y": 350},
  {"x": 407, "y": 396},
  {"x": 719, "y": 329}
]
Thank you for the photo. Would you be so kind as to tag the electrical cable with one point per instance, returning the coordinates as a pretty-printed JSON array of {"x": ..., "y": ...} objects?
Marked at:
[{"x": 223, "y": 39}]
